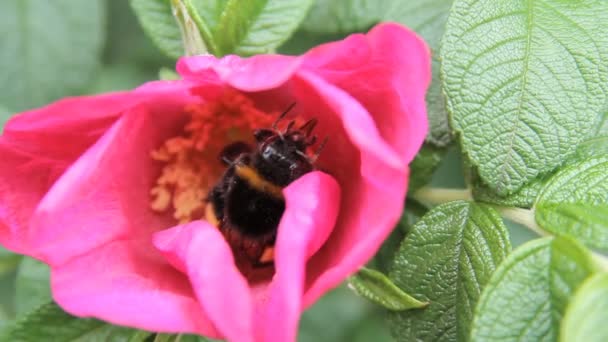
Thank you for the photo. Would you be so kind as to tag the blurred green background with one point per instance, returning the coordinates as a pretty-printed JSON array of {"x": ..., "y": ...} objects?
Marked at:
[{"x": 129, "y": 59}]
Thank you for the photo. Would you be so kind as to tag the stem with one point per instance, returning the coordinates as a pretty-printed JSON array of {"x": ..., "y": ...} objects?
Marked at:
[
  {"x": 194, "y": 44},
  {"x": 441, "y": 195},
  {"x": 524, "y": 217},
  {"x": 601, "y": 260}
]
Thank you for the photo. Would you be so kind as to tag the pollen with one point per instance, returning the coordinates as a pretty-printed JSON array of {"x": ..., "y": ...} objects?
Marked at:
[{"x": 190, "y": 161}]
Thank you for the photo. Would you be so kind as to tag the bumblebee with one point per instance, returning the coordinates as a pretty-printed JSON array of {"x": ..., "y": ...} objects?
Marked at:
[{"x": 247, "y": 202}]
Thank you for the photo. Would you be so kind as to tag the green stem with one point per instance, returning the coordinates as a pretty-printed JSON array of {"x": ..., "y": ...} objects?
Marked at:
[
  {"x": 601, "y": 260},
  {"x": 428, "y": 195},
  {"x": 525, "y": 217},
  {"x": 194, "y": 41}
]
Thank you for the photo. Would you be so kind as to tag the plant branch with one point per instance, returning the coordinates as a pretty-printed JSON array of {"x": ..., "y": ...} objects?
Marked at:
[
  {"x": 435, "y": 196},
  {"x": 524, "y": 217}
]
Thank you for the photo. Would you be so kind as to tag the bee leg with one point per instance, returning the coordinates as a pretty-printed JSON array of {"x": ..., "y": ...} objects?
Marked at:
[{"x": 233, "y": 151}]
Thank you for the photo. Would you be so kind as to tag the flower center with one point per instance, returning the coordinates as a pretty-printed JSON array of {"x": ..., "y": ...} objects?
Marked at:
[{"x": 191, "y": 161}]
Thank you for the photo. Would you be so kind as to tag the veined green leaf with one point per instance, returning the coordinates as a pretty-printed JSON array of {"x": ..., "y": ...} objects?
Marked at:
[
  {"x": 48, "y": 49},
  {"x": 527, "y": 295},
  {"x": 258, "y": 26},
  {"x": 376, "y": 287},
  {"x": 447, "y": 259},
  {"x": 522, "y": 198},
  {"x": 575, "y": 203},
  {"x": 32, "y": 285},
  {"x": 594, "y": 147},
  {"x": 345, "y": 16},
  {"x": 8, "y": 260},
  {"x": 49, "y": 322},
  {"x": 156, "y": 18},
  {"x": 585, "y": 318},
  {"x": 383, "y": 259},
  {"x": 525, "y": 81}
]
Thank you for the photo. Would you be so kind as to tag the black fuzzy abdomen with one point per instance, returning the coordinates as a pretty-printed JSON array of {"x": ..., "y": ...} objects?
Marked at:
[{"x": 252, "y": 212}]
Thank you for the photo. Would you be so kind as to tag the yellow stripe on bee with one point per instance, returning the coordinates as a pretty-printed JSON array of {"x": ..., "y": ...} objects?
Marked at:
[{"x": 253, "y": 178}]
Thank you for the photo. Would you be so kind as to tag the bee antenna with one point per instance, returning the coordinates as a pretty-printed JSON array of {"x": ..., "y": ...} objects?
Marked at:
[
  {"x": 290, "y": 126},
  {"x": 311, "y": 141},
  {"x": 274, "y": 125},
  {"x": 318, "y": 152},
  {"x": 302, "y": 154},
  {"x": 309, "y": 126}
]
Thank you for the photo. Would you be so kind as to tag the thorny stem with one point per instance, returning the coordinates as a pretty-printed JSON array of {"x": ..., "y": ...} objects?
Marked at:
[{"x": 525, "y": 217}]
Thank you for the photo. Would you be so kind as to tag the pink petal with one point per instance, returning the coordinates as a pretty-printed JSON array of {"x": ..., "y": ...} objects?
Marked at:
[
  {"x": 373, "y": 183},
  {"x": 257, "y": 73},
  {"x": 38, "y": 145},
  {"x": 104, "y": 195},
  {"x": 312, "y": 204},
  {"x": 200, "y": 249},
  {"x": 124, "y": 283},
  {"x": 357, "y": 122},
  {"x": 388, "y": 71}
]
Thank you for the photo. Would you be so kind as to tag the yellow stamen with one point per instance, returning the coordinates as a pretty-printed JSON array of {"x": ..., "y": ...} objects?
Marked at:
[{"x": 191, "y": 164}]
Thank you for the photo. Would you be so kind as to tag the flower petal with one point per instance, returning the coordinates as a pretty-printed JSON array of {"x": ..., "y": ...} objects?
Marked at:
[
  {"x": 200, "y": 249},
  {"x": 312, "y": 204},
  {"x": 388, "y": 71},
  {"x": 373, "y": 183},
  {"x": 124, "y": 283},
  {"x": 104, "y": 195},
  {"x": 257, "y": 73},
  {"x": 38, "y": 145}
]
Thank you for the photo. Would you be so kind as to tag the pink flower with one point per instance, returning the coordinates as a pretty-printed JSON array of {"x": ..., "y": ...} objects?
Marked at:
[{"x": 76, "y": 177}]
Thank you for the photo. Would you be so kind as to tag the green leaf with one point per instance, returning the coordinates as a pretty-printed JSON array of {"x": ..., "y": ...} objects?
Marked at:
[
  {"x": 585, "y": 317},
  {"x": 343, "y": 17},
  {"x": 602, "y": 124},
  {"x": 575, "y": 203},
  {"x": 447, "y": 259},
  {"x": 49, "y": 320},
  {"x": 597, "y": 146},
  {"x": 383, "y": 259},
  {"x": 48, "y": 49},
  {"x": 525, "y": 81},
  {"x": 522, "y": 198},
  {"x": 8, "y": 261},
  {"x": 376, "y": 287},
  {"x": 210, "y": 11},
  {"x": 424, "y": 165},
  {"x": 528, "y": 293},
  {"x": 526, "y": 195},
  {"x": 192, "y": 28},
  {"x": 258, "y": 26},
  {"x": 156, "y": 18},
  {"x": 32, "y": 285}
]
